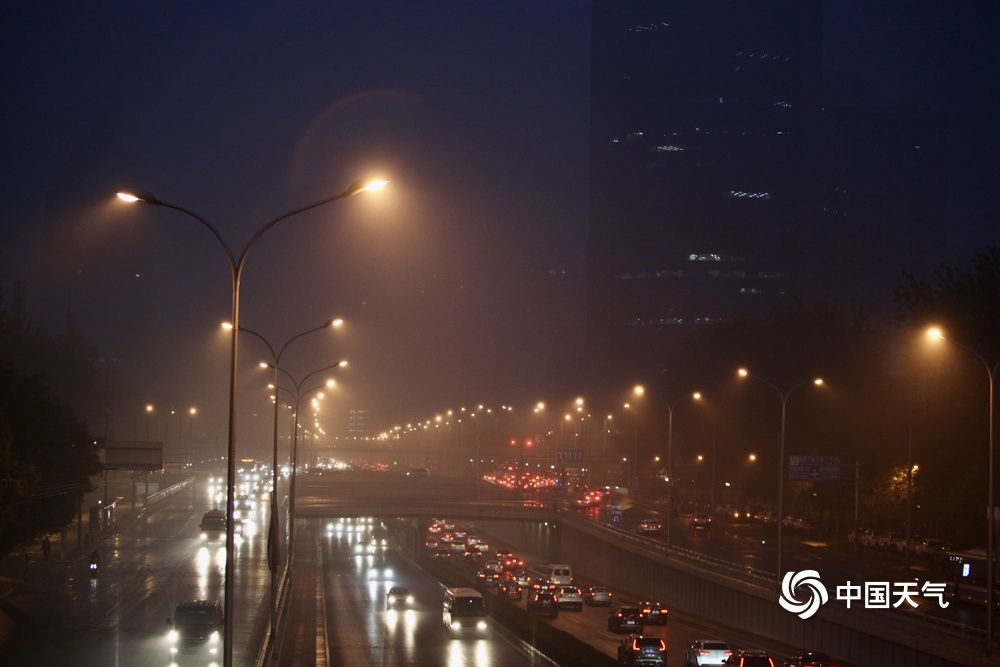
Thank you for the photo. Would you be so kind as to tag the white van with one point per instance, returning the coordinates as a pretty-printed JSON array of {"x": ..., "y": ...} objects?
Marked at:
[
  {"x": 464, "y": 610},
  {"x": 556, "y": 573}
]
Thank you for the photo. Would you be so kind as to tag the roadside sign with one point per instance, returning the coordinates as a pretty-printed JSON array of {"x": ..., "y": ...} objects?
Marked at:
[
  {"x": 616, "y": 514},
  {"x": 814, "y": 468}
]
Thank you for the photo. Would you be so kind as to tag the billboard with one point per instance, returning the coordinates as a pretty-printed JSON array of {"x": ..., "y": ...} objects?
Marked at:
[
  {"x": 126, "y": 455},
  {"x": 814, "y": 468}
]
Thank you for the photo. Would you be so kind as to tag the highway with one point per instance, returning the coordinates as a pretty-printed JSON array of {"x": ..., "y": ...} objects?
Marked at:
[
  {"x": 336, "y": 610},
  {"x": 156, "y": 561}
]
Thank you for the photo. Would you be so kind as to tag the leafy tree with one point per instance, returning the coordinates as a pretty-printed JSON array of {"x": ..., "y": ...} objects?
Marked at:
[
  {"x": 47, "y": 454},
  {"x": 46, "y": 459},
  {"x": 858, "y": 414},
  {"x": 951, "y": 415}
]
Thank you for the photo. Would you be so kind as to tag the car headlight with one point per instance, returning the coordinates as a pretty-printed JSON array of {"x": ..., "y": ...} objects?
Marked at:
[
  {"x": 481, "y": 625},
  {"x": 455, "y": 625},
  {"x": 214, "y": 637},
  {"x": 409, "y": 599},
  {"x": 172, "y": 636}
]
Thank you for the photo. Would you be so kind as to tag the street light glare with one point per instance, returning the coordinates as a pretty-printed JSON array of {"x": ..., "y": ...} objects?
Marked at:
[
  {"x": 936, "y": 333},
  {"x": 818, "y": 381}
]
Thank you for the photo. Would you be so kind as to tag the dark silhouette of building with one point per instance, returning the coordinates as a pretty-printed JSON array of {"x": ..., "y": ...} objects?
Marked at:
[{"x": 723, "y": 183}]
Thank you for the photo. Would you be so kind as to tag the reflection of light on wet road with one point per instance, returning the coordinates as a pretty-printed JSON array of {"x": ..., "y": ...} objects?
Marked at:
[
  {"x": 209, "y": 562},
  {"x": 405, "y": 621},
  {"x": 463, "y": 653}
]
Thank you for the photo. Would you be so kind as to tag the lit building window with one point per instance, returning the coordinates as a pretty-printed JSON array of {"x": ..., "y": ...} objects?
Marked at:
[{"x": 743, "y": 194}]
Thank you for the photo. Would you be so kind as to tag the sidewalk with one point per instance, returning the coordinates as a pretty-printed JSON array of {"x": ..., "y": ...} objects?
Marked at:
[{"x": 30, "y": 586}]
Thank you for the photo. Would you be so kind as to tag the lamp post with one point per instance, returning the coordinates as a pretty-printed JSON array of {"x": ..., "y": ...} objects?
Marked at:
[
  {"x": 274, "y": 555},
  {"x": 297, "y": 397},
  {"x": 696, "y": 396},
  {"x": 236, "y": 266},
  {"x": 781, "y": 451},
  {"x": 937, "y": 334}
]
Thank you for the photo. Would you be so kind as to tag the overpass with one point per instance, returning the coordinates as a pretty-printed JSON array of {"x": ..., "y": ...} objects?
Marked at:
[{"x": 724, "y": 592}]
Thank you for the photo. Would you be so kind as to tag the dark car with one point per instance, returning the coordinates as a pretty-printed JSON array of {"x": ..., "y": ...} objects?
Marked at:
[
  {"x": 649, "y": 527},
  {"x": 511, "y": 589},
  {"x": 653, "y": 612},
  {"x": 487, "y": 577},
  {"x": 750, "y": 658},
  {"x": 700, "y": 521},
  {"x": 809, "y": 659},
  {"x": 197, "y": 628},
  {"x": 625, "y": 619},
  {"x": 543, "y": 603},
  {"x": 638, "y": 650}
]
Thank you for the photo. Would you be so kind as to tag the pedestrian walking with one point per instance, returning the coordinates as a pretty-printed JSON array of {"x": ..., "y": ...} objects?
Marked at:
[{"x": 46, "y": 549}]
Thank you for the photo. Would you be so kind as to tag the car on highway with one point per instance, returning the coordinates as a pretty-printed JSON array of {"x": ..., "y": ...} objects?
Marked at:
[
  {"x": 570, "y": 598},
  {"x": 597, "y": 596},
  {"x": 931, "y": 549},
  {"x": 653, "y": 612},
  {"x": 418, "y": 473},
  {"x": 213, "y": 526},
  {"x": 809, "y": 659},
  {"x": 649, "y": 527},
  {"x": 625, "y": 619},
  {"x": 398, "y": 596},
  {"x": 488, "y": 577},
  {"x": 511, "y": 590},
  {"x": 543, "y": 603},
  {"x": 750, "y": 658},
  {"x": 700, "y": 521},
  {"x": 706, "y": 652},
  {"x": 196, "y": 629},
  {"x": 638, "y": 650}
]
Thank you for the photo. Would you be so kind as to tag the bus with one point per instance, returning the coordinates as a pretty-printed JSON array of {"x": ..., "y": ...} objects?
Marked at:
[
  {"x": 965, "y": 572},
  {"x": 464, "y": 610}
]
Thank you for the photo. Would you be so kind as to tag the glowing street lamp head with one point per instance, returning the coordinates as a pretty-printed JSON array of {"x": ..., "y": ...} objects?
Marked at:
[
  {"x": 132, "y": 195},
  {"x": 743, "y": 372},
  {"x": 818, "y": 381},
  {"x": 364, "y": 185},
  {"x": 935, "y": 333}
]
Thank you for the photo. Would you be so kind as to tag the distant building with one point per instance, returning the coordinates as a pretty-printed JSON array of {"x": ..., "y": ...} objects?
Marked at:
[{"x": 720, "y": 184}]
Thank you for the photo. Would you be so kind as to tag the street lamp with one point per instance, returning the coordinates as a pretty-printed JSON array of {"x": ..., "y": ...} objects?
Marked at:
[
  {"x": 297, "y": 397},
  {"x": 696, "y": 396},
  {"x": 274, "y": 555},
  {"x": 937, "y": 334},
  {"x": 236, "y": 266},
  {"x": 781, "y": 454}
]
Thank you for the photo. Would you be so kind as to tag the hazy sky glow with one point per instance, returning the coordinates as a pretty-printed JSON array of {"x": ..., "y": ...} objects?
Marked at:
[{"x": 477, "y": 113}]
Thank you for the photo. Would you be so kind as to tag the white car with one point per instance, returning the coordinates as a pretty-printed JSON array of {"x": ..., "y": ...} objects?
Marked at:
[
  {"x": 597, "y": 595},
  {"x": 570, "y": 596},
  {"x": 707, "y": 652}
]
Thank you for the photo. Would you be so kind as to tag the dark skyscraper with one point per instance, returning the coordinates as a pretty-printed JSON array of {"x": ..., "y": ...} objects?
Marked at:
[
  {"x": 724, "y": 179},
  {"x": 696, "y": 178}
]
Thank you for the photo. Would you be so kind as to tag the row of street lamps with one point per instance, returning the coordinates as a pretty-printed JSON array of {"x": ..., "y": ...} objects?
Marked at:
[{"x": 236, "y": 266}]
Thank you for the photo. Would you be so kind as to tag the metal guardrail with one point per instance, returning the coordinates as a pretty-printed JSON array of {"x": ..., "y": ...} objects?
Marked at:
[
  {"x": 751, "y": 575},
  {"x": 154, "y": 498}
]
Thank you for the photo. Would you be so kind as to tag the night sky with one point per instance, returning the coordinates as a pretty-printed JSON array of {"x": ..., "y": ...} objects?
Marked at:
[{"x": 477, "y": 113}]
